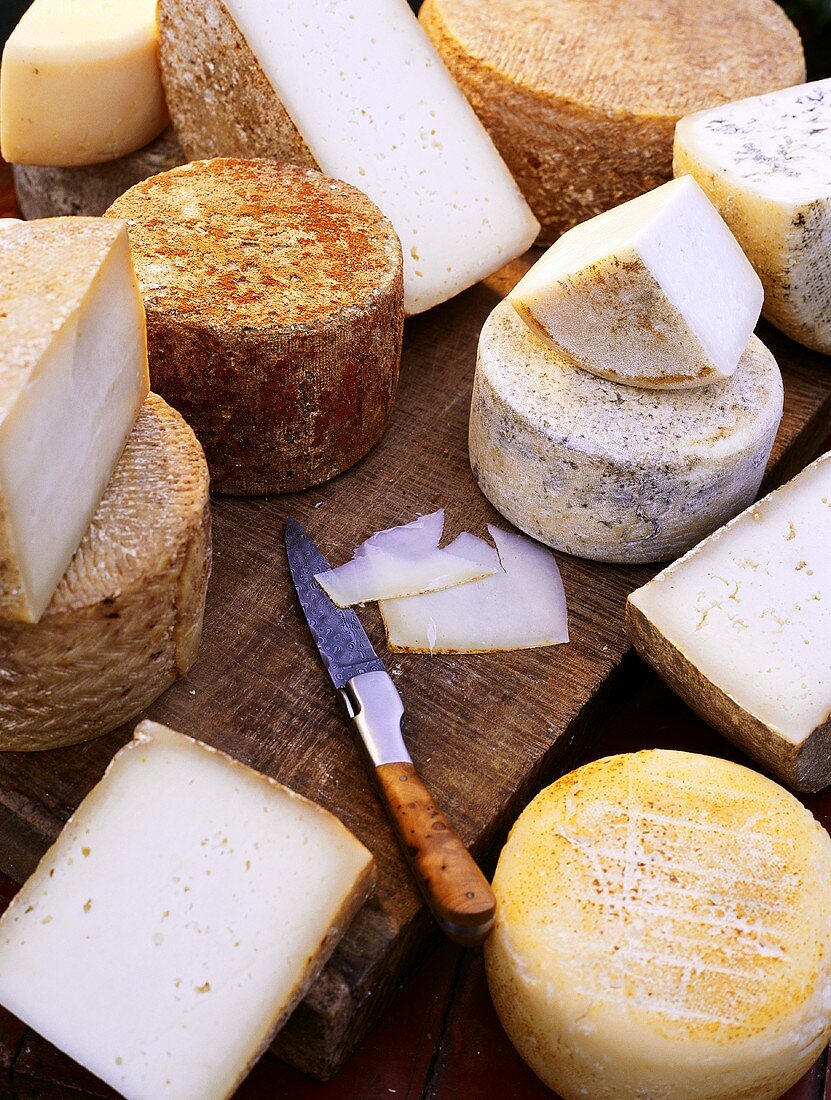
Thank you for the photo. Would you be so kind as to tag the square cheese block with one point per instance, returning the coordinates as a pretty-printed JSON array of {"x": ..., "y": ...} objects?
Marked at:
[
  {"x": 740, "y": 627},
  {"x": 765, "y": 162},
  {"x": 180, "y": 916},
  {"x": 654, "y": 293},
  {"x": 73, "y": 377}
]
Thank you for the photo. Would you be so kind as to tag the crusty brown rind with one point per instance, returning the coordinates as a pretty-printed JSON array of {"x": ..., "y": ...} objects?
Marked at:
[
  {"x": 88, "y": 191},
  {"x": 274, "y": 316},
  {"x": 126, "y": 619},
  {"x": 804, "y": 767},
  {"x": 220, "y": 99},
  {"x": 581, "y": 125}
]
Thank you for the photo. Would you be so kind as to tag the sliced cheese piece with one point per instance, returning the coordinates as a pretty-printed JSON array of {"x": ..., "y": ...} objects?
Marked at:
[
  {"x": 382, "y": 113},
  {"x": 655, "y": 293},
  {"x": 402, "y": 561},
  {"x": 57, "y": 192},
  {"x": 521, "y": 606},
  {"x": 740, "y": 627},
  {"x": 80, "y": 82},
  {"x": 73, "y": 376},
  {"x": 663, "y": 929},
  {"x": 581, "y": 96},
  {"x": 126, "y": 618},
  {"x": 178, "y": 919},
  {"x": 765, "y": 163},
  {"x": 612, "y": 472},
  {"x": 274, "y": 312}
]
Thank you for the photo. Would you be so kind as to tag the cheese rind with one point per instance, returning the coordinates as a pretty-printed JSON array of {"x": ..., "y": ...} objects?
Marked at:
[
  {"x": 382, "y": 113},
  {"x": 739, "y": 627},
  {"x": 663, "y": 929},
  {"x": 581, "y": 96},
  {"x": 178, "y": 919},
  {"x": 80, "y": 83},
  {"x": 611, "y": 472},
  {"x": 73, "y": 376},
  {"x": 765, "y": 163},
  {"x": 654, "y": 293}
]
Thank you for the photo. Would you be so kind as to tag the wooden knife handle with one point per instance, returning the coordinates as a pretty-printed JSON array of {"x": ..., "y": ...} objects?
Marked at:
[{"x": 453, "y": 886}]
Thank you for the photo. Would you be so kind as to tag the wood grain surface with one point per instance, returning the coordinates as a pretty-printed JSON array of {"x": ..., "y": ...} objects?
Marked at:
[{"x": 485, "y": 731}]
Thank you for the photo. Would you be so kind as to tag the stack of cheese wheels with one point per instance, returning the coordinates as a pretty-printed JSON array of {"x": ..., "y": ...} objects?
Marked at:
[
  {"x": 663, "y": 929},
  {"x": 274, "y": 316},
  {"x": 622, "y": 409},
  {"x": 581, "y": 96}
]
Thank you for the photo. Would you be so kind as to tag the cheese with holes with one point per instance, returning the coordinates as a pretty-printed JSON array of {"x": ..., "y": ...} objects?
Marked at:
[
  {"x": 663, "y": 929},
  {"x": 655, "y": 293},
  {"x": 80, "y": 82},
  {"x": 274, "y": 316},
  {"x": 126, "y": 619},
  {"x": 178, "y": 919},
  {"x": 73, "y": 376},
  {"x": 581, "y": 96},
  {"x": 612, "y": 472},
  {"x": 382, "y": 113},
  {"x": 740, "y": 627},
  {"x": 765, "y": 163}
]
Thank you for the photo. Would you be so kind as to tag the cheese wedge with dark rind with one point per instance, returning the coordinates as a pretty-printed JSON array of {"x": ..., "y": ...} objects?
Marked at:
[{"x": 126, "y": 619}]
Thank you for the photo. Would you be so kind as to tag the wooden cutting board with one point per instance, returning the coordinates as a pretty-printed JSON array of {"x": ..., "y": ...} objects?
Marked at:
[{"x": 486, "y": 731}]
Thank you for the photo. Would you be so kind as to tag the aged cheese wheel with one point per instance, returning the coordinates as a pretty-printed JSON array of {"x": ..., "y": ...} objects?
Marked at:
[
  {"x": 663, "y": 930},
  {"x": 608, "y": 471},
  {"x": 126, "y": 619},
  {"x": 89, "y": 190},
  {"x": 274, "y": 316},
  {"x": 581, "y": 96}
]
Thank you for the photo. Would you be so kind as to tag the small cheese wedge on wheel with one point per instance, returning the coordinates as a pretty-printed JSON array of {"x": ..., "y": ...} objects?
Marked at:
[
  {"x": 655, "y": 293},
  {"x": 180, "y": 916},
  {"x": 80, "y": 82},
  {"x": 73, "y": 376},
  {"x": 663, "y": 929}
]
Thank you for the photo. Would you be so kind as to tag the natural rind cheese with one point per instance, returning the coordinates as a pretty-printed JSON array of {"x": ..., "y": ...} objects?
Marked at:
[
  {"x": 182, "y": 913},
  {"x": 655, "y": 293},
  {"x": 740, "y": 628},
  {"x": 73, "y": 376},
  {"x": 581, "y": 96},
  {"x": 663, "y": 929},
  {"x": 126, "y": 619},
  {"x": 382, "y": 113},
  {"x": 613, "y": 472},
  {"x": 274, "y": 316},
  {"x": 80, "y": 82},
  {"x": 765, "y": 163},
  {"x": 58, "y": 192}
]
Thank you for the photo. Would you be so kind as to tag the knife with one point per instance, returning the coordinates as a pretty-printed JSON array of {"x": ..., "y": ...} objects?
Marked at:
[{"x": 454, "y": 888}]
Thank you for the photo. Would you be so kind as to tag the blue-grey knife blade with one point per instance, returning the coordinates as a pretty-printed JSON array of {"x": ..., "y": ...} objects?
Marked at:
[{"x": 337, "y": 632}]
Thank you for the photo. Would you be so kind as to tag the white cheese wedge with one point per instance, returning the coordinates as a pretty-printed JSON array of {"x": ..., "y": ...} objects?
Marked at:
[
  {"x": 654, "y": 293},
  {"x": 741, "y": 628},
  {"x": 73, "y": 376},
  {"x": 663, "y": 929},
  {"x": 80, "y": 82},
  {"x": 402, "y": 561},
  {"x": 522, "y": 605},
  {"x": 612, "y": 472},
  {"x": 177, "y": 920},
  {"x": 765, "y": 163},
  {"x": 382, "y": 113}
]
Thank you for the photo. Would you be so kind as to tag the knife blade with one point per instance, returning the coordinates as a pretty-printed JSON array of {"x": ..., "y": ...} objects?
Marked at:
[{"x": 451, "y": 883}]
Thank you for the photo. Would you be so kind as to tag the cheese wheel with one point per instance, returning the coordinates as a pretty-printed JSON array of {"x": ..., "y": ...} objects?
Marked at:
[
  {"x": 126, "y": 619},
  {"x": 89, "y": 190},
  {"x": 609, "y": 471},
  {"x": 274, "y": 308},
  {"x": 663, "y": 930},
  {"x": 581, "y": 96}
]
